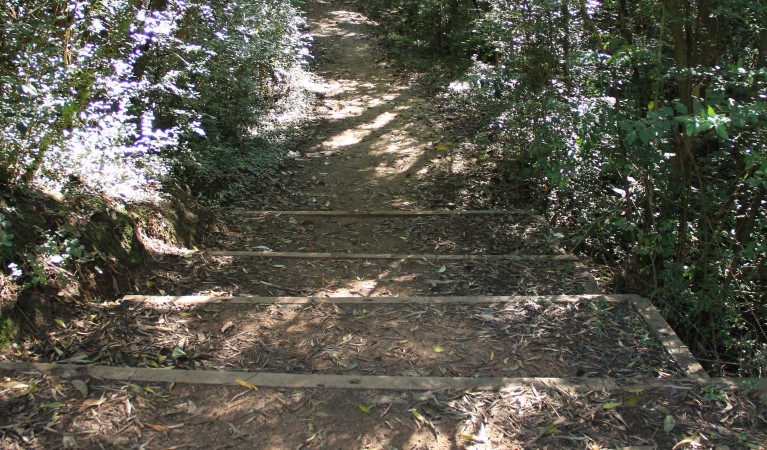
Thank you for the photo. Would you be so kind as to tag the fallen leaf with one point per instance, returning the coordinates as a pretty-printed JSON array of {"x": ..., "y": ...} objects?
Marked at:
[
  {"x": 68, "y": 441},
  {"x": 178, "y": 353},
  {"x": 418, "y": 416},
  {"x": 54, "y": 405},
  {"x": 81, "y": 386},
  {"x": 554, "y": 427},
  {"x": 611, "y": 405},
  {"x": 669, "y": 423},
  {"x": 92, "y": 402},
  {"x": 438, "y": 349},
  {"x": 244, "y": 383},
  {"x": 632, "y": 401},
  {"x": 442, "y": 269},
  {"x": 60, "y": 323},
  {"x": 689, "y": 441},
  {"x": 31, "y": 389},
  {"x": 364, "y": 409},
  {"x": 471, "y": 438}
]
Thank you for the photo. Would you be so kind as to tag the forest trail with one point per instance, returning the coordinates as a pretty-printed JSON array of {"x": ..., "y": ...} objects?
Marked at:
[{"x": 380, "y": 300}]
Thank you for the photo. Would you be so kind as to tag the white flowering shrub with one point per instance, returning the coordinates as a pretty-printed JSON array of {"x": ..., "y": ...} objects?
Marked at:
[{"x": 120, "y": 93}]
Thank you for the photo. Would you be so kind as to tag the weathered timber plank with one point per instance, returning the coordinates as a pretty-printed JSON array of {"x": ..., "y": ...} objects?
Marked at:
[
  {"x": 378, "y": 382},
  {"x": 391, "y": 213},
  {"x": 285, "y": 380},
  {"x": 666, "y": 335},
  {"x": 245, "y": 300},
  {"x": 324, "y": 255}
]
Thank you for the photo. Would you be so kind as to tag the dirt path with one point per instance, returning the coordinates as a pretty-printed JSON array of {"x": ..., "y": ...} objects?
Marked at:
[
  {"x": 416, "y": 306},
  {"x": 378, "y": 138}
]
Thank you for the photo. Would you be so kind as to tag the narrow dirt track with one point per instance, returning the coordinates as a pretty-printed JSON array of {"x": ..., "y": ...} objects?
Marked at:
[{"x": 234, "y": 315}]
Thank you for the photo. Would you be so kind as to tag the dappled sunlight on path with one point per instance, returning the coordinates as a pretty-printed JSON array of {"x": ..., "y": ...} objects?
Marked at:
[{"x": 371, "y": 136}]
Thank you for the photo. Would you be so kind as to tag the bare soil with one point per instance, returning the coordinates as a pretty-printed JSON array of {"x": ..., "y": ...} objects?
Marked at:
[
  {"x": 92, "y": 414},
  {"x": 513, "y": 233},
  {"x": 531, "y": 339},
  {"x": 243, "y": 275}
]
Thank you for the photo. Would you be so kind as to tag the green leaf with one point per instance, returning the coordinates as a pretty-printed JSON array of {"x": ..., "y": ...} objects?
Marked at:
[
  {"x": 646, "y": 136},
  {"x": 669, "y": 423},
  {"x": 178, "y": 353},
  {"x": 54, "y": 405},
  {"x": 611, "y": 405},
  {"x": 680, "y": 108},
  {"x": 60, "y": 323},
  {"x": 711, "y": 111},
  {"x": 364, "y": 409},
  {"x": 438, "y": 349},
  {"x": 721, "y": 131},
  {"x": 442, "y": 269}
]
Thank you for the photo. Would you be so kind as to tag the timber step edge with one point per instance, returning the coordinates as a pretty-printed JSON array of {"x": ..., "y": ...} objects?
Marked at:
[
  {"x": 258, "y": 300},
  {"x": 367, "y": 382},
  {"x": 402, "y": 257},
  {"x": 389, "y": 213}
]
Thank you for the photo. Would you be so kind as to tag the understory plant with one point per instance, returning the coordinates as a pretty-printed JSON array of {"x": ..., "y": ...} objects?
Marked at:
[{"x": 643, "y": 127}]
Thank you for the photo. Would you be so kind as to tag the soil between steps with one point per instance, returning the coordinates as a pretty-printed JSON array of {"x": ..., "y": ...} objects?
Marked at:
[
  {"x": 512, "y": 233},
  {"x": 265, "y": 276},
  {"x": 522, "y": 339}
]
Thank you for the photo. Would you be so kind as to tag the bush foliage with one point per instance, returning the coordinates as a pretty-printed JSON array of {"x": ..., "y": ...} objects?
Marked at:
[
  {"x": 117, "y": 98},
  {"x": 644, "y": 124},
  {"x": 120, "y": 93}
]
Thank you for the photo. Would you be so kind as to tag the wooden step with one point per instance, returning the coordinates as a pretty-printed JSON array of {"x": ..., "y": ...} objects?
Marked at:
[
  {"x": 401, "y": 257},
  {"x": 390, "y": 213},
  {"x": 398, "y": 383},
  {"x": 188, "y": 300},
  {"x": 649, "y": 314}
]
